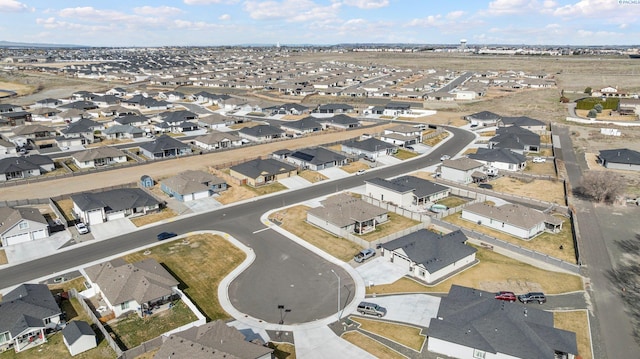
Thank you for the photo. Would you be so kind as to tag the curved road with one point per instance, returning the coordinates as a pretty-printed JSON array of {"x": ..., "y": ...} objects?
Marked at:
[{"x": 283, "y": 273}]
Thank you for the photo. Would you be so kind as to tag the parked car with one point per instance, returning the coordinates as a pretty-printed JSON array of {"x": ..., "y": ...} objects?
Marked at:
[
  {"x": 444, "y": 157},
  {"x": 507, "y": 296},
  {"x": 539, "y": 160},
  {"x": 360, "y": 172},
  {"x": 166, "y": 235},
  {"x": 485, "y": 186},
  {"x": 533, "y": 297},
  {"x": 82, "y": 228},
  {"x": 371, "y": 309},
  {"x": 410, "y": 148},
  {"x": 364, "y": 254}
]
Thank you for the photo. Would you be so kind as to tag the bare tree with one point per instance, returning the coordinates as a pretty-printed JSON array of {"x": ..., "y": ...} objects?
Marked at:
[{"x": 602, "y": 185}]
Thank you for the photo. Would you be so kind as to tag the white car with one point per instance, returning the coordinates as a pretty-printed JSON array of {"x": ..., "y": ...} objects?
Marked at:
[
  {"x": 360, "y": 172},
  {"x": 539, "y": 160},
  {"x": 82, "y": 228},
  {"x": 445, "y": 157}
]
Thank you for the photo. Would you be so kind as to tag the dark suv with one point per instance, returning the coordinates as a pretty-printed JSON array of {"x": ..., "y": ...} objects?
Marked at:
[{"x": 533, "y": 297}]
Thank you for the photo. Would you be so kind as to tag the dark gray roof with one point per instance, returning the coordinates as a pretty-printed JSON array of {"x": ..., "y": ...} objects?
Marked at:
[
  {"x": 522, "y": 121},
  {"x": 80, "y": 105},
  {"x": 514, "y": 137},
  {"x": 432, "y": 250},
  {"x": 261, "y": 130},
  {"x": 503, "y": 155},
  {"x": 178, "y": 116},
  {"x": 18, "y": 164},
  {"x": 162, "y": 143},
  {"x": 341, "y": 119},
  {"x": 370, "y": 145},
  {"x": 122, "y": 129},
  {"x": 26, "y": 307},
  {"x": 76, "y": 330},
  {"x": 258, "y": 167},
  {"x": 485, "y": 116},
  {"x": 288, "y": 107},
  {"x": 83, "y": 125},
  {"x": 621, "y": 155},
  {"x": 335, "y": 106},
  {"x": 420, "y": 187},
  {"x": 9, "y": 217},
  {"x": 317, "y": 155},
  {"x": 114, "y": 200},
  {"x": 307, "y": 123},
  {"x": 128, "y": 120},
  {"x": 473, "y": 318}
]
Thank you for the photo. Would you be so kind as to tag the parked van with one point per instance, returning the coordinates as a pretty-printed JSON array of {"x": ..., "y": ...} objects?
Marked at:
[{"x": 371, "y": 309}]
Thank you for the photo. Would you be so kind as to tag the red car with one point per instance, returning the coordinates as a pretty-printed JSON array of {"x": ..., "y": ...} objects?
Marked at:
[{"x": 508, "y": 296}]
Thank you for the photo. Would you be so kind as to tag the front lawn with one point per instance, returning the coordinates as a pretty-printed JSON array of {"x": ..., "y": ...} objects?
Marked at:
[
  {"x": 165, "y": 213},
  {"x": 403, "y": 154},
  {"x": 312, "y": 176},
  {"x": 396, "y": 223},
  {"x": 371, "y": 346},
  {"x": 576, "y": 321},
  {"x": 406, "y": 335},
  {"x": 267, "y": 189}
]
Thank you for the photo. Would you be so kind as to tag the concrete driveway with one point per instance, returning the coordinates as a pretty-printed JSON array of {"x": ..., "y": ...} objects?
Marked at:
[
  {"x": 323, "y": 343},
  {"x": 295, "y": 182},
  {"x": 203, "y": 204},
  {"x": 415, "y": 309},
  {"x": 112, "y": 228},
  {"x": 387, "y": 160},
  {"x": 334, "y": 172},
  {"x": 379, "y": 271}
]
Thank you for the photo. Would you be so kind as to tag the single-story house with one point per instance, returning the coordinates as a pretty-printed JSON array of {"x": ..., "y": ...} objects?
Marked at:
[
  {"x": 92, "y": 208},
  {"x": 315, "y": 158},
  {"x": 515, "y": 138},
  {"x": 343, "y": 213},
  {"x": 214, "y": 140},
  {"x": 514, "y": 219},
  {"x": 99, "y": 156},
  {"x": 406, "y": 191},
  {"x": 483, "y": 118},
  {"x": 529, "y": 123},
  {"x": 286, "y": 109},
  {"x": 402, "y": 135},
  {"x": 19, "y": 225},
  {"x": 26, "y": 313},
  {"x": 370, "y": 148},
  {"x": 82, "y": 130},
  {"x": 259, "y": 172},
  {"x": 340, "y": 121},
  {"x": 79, "y": 337},
  {"x": 192, "y": 185},
  {"x": 500, "y": 158},
  {"x": 429, "y": 256},
  {"x": 118, "y": 132},
  {"x": 261, "y": 133},
  {"x": 126, "y": 287},
  {"x": 7, "y": 148},
  {"x": 164, "y": 146},
  {"x": 305, "y": 125},
  {"x": 461, "y": 170},
  {"x": 132, "y": 120},
  {"x": 212, "y": 340},
  {"x": 620, "y": 159},
  {"x": 215, "y": 120},
  {"x": 334, "y": 108},
  {"x": 24, "y": 167},
  {"x": 14, "y": 118},
  {"x": 471, "y": 324}
]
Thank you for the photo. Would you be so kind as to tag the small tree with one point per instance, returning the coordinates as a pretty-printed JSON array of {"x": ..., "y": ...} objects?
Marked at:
[
  {"x": 602, "y": 186},
  {"x": 592, "y": 113},
  {"x": 588, "y": 90},
  {"x": 598, "y": 108}
]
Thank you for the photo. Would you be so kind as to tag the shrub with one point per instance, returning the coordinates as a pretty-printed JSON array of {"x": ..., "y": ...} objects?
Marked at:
[{"x": 589, "y": 102}]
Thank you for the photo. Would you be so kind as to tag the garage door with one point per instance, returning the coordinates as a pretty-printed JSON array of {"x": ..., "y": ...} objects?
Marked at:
[
  {"x": 115, "y": 215},
  {"x": 39, "y": 234},
  {"x": 199, "y": 195},
  {"x": 20, "y": 238},
  {"x": 401, "y": 262},
  {"x": 95, "y": 217}
]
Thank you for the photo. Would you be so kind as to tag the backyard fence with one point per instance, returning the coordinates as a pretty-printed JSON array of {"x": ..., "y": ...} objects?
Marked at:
[{"x": 147, "y": 346}]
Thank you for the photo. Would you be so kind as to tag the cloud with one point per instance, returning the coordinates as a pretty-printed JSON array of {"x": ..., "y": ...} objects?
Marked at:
[
  {"x": 290, "y": 10},
  {"x": 367, "y": 4},
  {"x": 590, "y": 8},
  {"x": 157, "y": 11},
  {"x": 13, "y": 6},
  {"x": 224, "y": 17},
  {"x": 506, "y": 7},
  {"x": 209, "y": 2}
]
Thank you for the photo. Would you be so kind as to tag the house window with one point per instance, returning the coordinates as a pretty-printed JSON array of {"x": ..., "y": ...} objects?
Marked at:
[
  {"x": 5, "y": 337},
  {"x": 479, "y": 354},
  {"x": 124, "y": 305},
  {"x": 422, "y": 273},
  {"x": 24, "y": 225},
  {"x": 47, "y": 321}
]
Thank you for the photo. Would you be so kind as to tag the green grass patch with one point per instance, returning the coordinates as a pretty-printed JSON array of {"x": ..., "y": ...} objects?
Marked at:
[{"x": 587, "y": 103}]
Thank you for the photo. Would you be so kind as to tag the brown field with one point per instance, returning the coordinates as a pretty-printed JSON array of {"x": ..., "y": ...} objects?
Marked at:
[
  {"x": 576, "y": 321},
  {"x": 371, "y": 346},
  {"x": 404, "y": 334},
  {"x": 544, "y": 190}
]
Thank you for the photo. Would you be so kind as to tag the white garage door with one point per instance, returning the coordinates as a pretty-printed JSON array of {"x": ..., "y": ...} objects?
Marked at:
[
  {"x": 115, "y": 215},
  {"x": 199, "y": 195},
  {"x": 20, "y": 238},
  {"x": 401, "y": 262},
  {"x": 95, "y": 217},
  {"x": 39, "y": 234}
]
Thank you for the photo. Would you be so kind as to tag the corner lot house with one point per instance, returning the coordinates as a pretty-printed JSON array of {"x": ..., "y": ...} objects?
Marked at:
[
  {"x": 472, "y": 324},
  {"x": 126, "y": 287},
  {"x": 515, "y": 138},
  {"x": 461, "y": 170},
  {"x": 192, "y": 185},
  {"x": 500, "y": 158},
  {"x": 98, "y": 157},
  {"x": 211, "y": 340},
  {"x": 24, "y": 167},
  {"x": 79, "y": 337},
  {"x": 164, "y": 146},
  {"x": 216, "y": 139},
  {"x": 429, "y": 256},
  {"x": 402, "y": 135},
  {"x": 346, "y": 214},
  {"x": 259, "y": 172},
  {"x": 620, "y": 159},
  {"x": 529, "y": 123},
  {"x": 21, "y": 225},
  {"x": 25, "y": 314},
  {"x": 305, "y": 125},
  {"x": 370, "y": 147},
  {"x": 340, "y": 121},
  {"x": 514, "y": 219},
  {"x": 406, "y": 191},
  {"x": 93, "y": 208}
]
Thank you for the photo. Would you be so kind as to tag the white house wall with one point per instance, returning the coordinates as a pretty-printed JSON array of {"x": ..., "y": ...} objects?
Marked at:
[
  {"x": 503, "y": 227},
  {"x": 456, "y": 175},
  {"x": 623, "y": 166},
  {"x": 400, "y": 199},
  {"x": 437, "y": 275},
  {"x": 453, "y": 350},
  {"x": 329, "y": 227}
]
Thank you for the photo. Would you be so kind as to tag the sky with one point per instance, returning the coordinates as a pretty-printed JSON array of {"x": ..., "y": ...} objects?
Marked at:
[{"x": 320, "y": 22}]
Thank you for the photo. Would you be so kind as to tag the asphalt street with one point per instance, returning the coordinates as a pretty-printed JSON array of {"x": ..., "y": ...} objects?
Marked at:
[{"x": 283, "y": 274}]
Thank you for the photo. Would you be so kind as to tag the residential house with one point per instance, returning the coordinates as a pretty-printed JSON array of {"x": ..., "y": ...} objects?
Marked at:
[
  {"x": 106, "y": 100},
  {"x": 402, "y": 135},
  {"x": 261, "y": 133},
  {"x": 78, "y": 133},
  {"x": 315, "y": 158},
  {"x": 211, "y": 340},
  {"x": 344, "y": 213},
  {"x": 78, "y": 336},
  {"x": 131, "y": 120},
  {"x": 483, "y": 118},
  {"x": 335, "y": 108},
  {"x": 26, "y": 313},
  {"x": 79, "y": 105},
  {"x": 214, "y": 140},
  {"x": 73, "y": 115},
  {"x": 620, "y": 159},
  {"x": 462, "y": 170},
  {"x": 406, "y": 191},
  {"x": 260, "y": 172},
  {"x": 192, "y": 185},
  {"x": 215, "y": 121},
  {"x": 132, "y": 287},
  {"x": 7, "y": 107},
  {"x": 123, "y": 132},
  {"x": 231, "y": 103},
  {"x": 99, "y": 207},
  {"x": 471, "y": 324},
  {"x": 98, "y": 157},
  {"x": 118, "y": 111},
  {"x": 164, "y": 146},
  {"x": 514, "y": 219},
  {"x": 47, "y": 102},
  {"x": 430, "y": 256},
  {"x": 117, "y": 91},
  {"x": 340, "y": 121},
  {"x": 515, "y": 138},
  {"x": 396, "y": 109},
  {"x": 528, "y": 123},
  {"x": 13, "y": 119},
  {"x": 300, "y": 127},
  {"x": 370, "y": 148},
  {"x": 287, "y": 109},
  {"x": 7, "y": 148},
  {"x": 23, "y": 224},
  {"x": 500, "y": 158},
  {"x": 24, "y": 167},
  {"x": 171, "y": 96},
  {"x": 44, "y": 113}
]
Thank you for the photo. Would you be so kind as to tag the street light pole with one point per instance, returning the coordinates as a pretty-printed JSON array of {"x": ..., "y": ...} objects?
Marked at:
[{"x": 337, "y": 276}]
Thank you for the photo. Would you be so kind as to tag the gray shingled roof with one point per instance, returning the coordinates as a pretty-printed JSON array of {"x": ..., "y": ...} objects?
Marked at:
[
  {"x": 129, "y": 119},
  {"x": 432, "y": 250},
  {"x": 420, "y": 187},
  {"x": 75, "y": 330},
  {"x": 26, "y": 307},
  {"x": 307, "y": 123},
  {"x": 114, "y": 200},
  {"x": 514, "y": 137},
  {"x": 31, "y": 129},
  {"x": 9, "y": 217},
  {"x": 162, "y": 143},
  {"x": 462, "y": 163},
  {"x": 122, "y": 129},
  {"x": 189, "y": 182},
  {"x": 341, "y": 119},
  {"x": 515, "y": 214},
  {"x": 17, "y": 164},
  {"x": 369, "y": 145},
  {"x": 474, "y": 319},
  {"x": 486, "y": 116},
  {"x": 261, "y": 167},
  {"x": 214, "y": 137},
  {"x": 343, "y": 210},
  {"x": 317, "y": 155},
  {"x": 261, "y": 131},
  {"x": 522, "y": 121},
  {"x": 621, "y": 155},
  {"x": 97, "y": 153},
  {"x": 503, "y": 155},
  {"x": 83, "y": 125}
]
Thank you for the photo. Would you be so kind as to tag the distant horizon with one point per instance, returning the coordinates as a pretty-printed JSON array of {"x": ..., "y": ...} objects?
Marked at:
[{"x": 210, "y": 23}]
